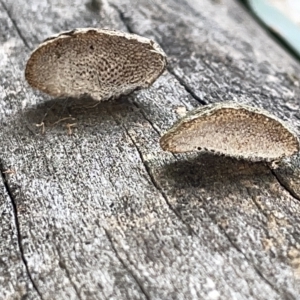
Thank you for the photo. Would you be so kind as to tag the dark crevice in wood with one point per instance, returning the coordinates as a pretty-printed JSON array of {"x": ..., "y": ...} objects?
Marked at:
[
  {"x": 158, "y": 188},
  {"x": 153, "y": 181},
  {"x": 15, "y": 25},
  {"x": 122, "y": 17},
  {"x": 147, "y": 119},
  {"x": 63, "y": 266},
  {"x": 169, "y": 68},
  {"x": 17, "y": 224},
  {"x": 156, "y": 185},
  {"x": 185, "y": 85},
  {"x": 137, "y": 281},
  {"x": 285, "y": 186}
]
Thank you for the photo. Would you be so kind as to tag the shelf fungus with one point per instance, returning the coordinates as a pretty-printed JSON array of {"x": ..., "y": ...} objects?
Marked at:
[
  {"x": 96, "y": 62},
  {"x": 232, "y": 129}
]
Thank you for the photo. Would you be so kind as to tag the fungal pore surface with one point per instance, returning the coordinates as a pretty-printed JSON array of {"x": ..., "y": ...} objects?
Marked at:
[
  {"x": 96, "y": 62},
  {"x": 234, "y": 130}
]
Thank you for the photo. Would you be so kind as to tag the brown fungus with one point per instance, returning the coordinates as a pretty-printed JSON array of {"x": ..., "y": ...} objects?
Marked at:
[
  {"x": 234, "y": 130},
  {"x": 96, "y": 62}
]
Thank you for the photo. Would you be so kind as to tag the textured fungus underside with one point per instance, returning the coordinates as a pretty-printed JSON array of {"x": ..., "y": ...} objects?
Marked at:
[
  {"x": 234, "y": 130},
  {"x": 100, "y": 63}
]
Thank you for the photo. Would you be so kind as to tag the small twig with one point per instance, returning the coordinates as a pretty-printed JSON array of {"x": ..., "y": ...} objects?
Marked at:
[
  {"x": 69, "y": 126},
  {"x": 10, "y": 172},
  {"x": 42, "y": 124},
  {"x": 63, "y": 119},
  {"x": 88, "y": 106}
]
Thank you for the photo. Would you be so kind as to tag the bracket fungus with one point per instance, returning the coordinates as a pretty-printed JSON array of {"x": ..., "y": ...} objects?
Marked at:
[
  {"x": 96, "y": 62},
  {"x": 232, "y": 129}
]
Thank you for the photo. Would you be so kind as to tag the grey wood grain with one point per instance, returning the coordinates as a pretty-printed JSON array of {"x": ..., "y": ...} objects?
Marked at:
[
  {"x": 15, "y": 280},
  {"x": 101, "y": 211}
]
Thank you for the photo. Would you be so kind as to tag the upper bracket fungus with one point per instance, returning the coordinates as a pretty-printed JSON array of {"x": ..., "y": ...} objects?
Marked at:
[
  {"x": 234, "y": 130},
  {"x": 96, "y": 62}
]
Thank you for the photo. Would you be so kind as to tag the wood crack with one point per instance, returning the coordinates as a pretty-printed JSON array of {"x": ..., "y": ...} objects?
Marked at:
[
  {"x": 185, "y": 85},
  {"x": 169, "y": 68},
  {"x": 17, "y": 224},
  {"x": 15, "y": 24},
  {"x": 135, "y": 278},
  {"x": 160, "y": 190},
  {"x": 153, "y": 181},
  {"x": 289, "y": 190},
  {"x": 147, "y": 119},
  {"x": 122, "y": 17}
]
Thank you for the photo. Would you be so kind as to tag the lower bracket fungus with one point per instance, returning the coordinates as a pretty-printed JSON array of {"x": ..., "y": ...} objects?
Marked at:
[
  {"x": 232, "y": 129},
  {"x": 96, "y": 62}
]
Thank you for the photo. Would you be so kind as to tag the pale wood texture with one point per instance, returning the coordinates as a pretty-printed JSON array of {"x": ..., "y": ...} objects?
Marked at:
[{"x": 99, "y": 211}]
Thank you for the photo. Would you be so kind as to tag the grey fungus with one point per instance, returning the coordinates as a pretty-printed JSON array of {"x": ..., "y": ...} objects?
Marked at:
[
  {"x": 96, "y": 62},
  {"x": 234, "y": 130}
]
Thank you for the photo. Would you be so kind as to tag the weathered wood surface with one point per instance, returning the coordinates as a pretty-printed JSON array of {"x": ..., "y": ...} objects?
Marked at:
[{"x": 103, "y": 213}]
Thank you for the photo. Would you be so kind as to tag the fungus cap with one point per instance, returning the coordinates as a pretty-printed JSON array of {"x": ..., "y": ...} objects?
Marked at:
[
  {"x": 97, "y": 62},
  {"x": 234, "y": 130}
]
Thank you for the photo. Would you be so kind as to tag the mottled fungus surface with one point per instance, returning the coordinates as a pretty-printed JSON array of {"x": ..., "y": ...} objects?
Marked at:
[
  {"x": 234, "y": 130},
  {"x": 96, "y": 62}
]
